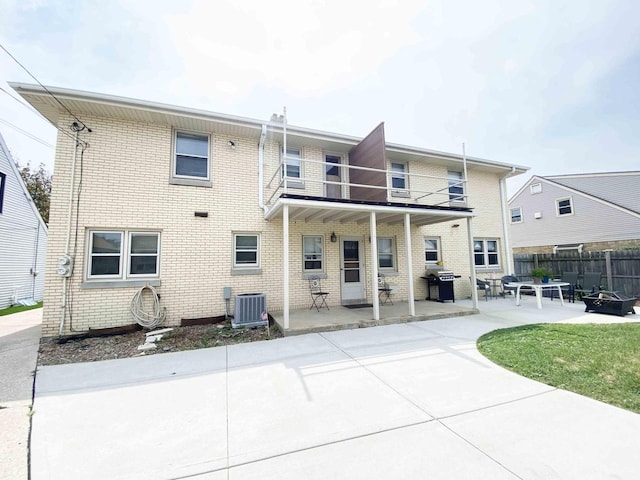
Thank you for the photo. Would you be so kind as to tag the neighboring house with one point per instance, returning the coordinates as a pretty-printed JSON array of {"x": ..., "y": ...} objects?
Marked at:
[
  {"x": 23, "y": 237},
  {"x": 581, "y": 212},
  {"x": 191, "y": 202}
]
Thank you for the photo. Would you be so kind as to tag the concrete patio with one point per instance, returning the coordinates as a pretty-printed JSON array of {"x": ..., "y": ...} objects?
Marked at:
[
  {"x": 411, "y": 400},
  {"x": 342, "y": 318}
]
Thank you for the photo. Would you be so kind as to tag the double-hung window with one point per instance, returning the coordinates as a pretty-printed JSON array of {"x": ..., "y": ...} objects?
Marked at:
[
  {"x": 122, "y": 254},
  {"x": 312, "y": 258},
  {"x": 431, "y": 251},
  {"x": 292, "y": 167},
  {"x": 246, "y": 250},
  {"x": 399, "y": 178},
  {"x": 191, "y": 156},
  {"x": 456, "y": 187},
  {"x": 485, "y": 253},
  {"x": 386, "y": 254},
  {"x": 564, "y": 206},
  {"x": 143, "y": 254},
  {"x": 516, "y": 215}
]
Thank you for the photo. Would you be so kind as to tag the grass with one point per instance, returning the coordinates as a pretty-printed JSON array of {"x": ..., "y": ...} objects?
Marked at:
[
  {"x": 598, "y": 361},
  {"x": 18, "y": 308}
]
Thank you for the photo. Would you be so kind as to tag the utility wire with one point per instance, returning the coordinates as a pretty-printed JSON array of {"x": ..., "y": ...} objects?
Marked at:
[
  {"x": 24, "y": 104},
  {"x": 24, "y": 132},
  {"x": 33, "y": 110},
  {"x": 45, "y": 88}
]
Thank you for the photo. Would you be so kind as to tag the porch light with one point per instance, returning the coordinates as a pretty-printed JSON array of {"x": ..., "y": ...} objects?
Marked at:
[{"x": 333, "y": 237}]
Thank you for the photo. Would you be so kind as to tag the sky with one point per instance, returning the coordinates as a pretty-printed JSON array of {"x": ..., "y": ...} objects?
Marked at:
[{"x": 548, "y": 84}]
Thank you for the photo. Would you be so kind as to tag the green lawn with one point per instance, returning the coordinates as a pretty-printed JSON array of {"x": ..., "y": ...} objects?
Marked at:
[
  {"x": 598, "y": 361},
  {"x": 10, "y": 310}
]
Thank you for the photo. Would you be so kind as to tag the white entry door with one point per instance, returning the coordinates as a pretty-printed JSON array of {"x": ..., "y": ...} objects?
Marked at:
[{"x": 352, "y": 270}]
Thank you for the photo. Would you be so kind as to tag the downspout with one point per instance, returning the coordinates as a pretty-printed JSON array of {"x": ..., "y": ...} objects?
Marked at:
[
  {"x": 65, "y": 280},
  {"x": 505, "y": 225},
  {"x": 263, "y": 135},
  {"x": 34, "y": 270}
]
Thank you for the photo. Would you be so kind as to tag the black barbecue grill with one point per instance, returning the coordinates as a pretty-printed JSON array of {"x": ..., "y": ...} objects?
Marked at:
[{"x": 443, "y": 281}]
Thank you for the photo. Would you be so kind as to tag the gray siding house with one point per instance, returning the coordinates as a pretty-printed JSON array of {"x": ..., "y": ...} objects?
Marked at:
[
  {"x": 23, "y": 237},
  {"x": 581, "y": 212}
]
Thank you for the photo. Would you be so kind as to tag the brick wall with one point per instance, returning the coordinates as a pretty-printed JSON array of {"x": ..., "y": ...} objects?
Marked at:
[{"x": 125, "y": 185}]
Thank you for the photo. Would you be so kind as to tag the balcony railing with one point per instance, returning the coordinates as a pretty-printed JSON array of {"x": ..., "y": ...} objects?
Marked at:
[{"x": 420, "y": 188}]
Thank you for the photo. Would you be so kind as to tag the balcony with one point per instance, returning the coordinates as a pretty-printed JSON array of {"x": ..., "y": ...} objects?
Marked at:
[{"x": 337, "y": 192}]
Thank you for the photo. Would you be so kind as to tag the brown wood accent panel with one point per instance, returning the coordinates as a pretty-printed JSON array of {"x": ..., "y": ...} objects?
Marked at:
[{"x": 370, "y": 152}]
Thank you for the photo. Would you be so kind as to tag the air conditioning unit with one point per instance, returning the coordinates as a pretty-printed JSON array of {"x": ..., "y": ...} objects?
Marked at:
[{"x": 251, "y": 310}]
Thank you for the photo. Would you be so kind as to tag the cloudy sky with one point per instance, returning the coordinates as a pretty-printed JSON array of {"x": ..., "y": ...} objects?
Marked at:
[{"x": 549, "y": 84}]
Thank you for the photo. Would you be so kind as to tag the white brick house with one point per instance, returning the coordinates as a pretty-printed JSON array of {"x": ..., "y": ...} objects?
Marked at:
[{"x": 191, "y": 201}]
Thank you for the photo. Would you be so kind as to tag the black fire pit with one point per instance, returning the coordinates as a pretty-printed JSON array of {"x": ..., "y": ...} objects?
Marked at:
[{"x": 609, "y": 302}]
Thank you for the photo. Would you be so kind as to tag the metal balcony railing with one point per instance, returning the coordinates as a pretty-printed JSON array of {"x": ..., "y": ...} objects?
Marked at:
[{"x": 419, "y": 188}]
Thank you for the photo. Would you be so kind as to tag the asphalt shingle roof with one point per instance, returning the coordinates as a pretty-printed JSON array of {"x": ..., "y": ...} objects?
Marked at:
[{"x": 622, "y": 189}]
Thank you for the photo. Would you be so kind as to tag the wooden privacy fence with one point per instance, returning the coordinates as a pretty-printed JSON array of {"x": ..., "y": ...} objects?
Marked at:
[{"x": 620, "y": 268}]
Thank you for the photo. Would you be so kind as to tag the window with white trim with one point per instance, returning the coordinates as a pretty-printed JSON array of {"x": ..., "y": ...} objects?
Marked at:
[
  {"x": 312, "y": 253},
  {"x": 398, "y": 176},
  {"x": 485, "y": 252},
  {"x": 293, "y": 164},
  {"x": 246, "y": 250},
  {"x": 456, "y": 186},
  {"x": 143, "y": 254},
  {"x": 431, "y": 251},
  {"x": 191, "y": 156},
  {"x": 564, "y": 206},
  {"x": 535, "y": 188},
  {"x": 516, "y": 215},
  {"x": 122, "y": 254},
  {"x": 386, "y": 254}
]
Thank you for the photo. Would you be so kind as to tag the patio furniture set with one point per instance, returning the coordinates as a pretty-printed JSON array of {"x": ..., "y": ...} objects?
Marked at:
[{"x": 589, "y": 290}]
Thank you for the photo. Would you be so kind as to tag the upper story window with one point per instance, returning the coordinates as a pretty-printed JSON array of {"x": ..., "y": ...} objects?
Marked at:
[
  {"x": 292, "y": 167},
  {"x": 312, "y": 253},
  {"x": 119, "y": 254},
  {"x": 456, "y": 186},
  {"x": 535, "y": 188},
  {"x": 431, "y": 251},
  {"x": 386, "y": 254},
  {"x": 398, "y": 176},
  {"x": 3, "y": 179},
  {"x": 564, "y": 206},
  {"x": 516, "y": 215},
  {"x": 485, "y": 252},
  {"x": 191, "y": 156}
]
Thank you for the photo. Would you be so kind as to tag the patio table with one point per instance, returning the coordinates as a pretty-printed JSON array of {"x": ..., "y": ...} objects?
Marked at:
[{"x": 538, "y": 288}]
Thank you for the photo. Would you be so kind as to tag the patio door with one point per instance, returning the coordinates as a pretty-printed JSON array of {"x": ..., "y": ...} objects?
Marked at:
[
  {"x": 332, "y": 173},
  {"x": 352, "y": 270}
]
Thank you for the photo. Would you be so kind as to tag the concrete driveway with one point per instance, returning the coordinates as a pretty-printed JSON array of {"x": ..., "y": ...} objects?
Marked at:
[
  {"x": 19, "y": 340},
  {"x": 403, "y": 401}
]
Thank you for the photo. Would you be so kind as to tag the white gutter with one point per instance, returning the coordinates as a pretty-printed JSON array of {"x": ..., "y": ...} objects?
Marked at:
[{"x": 263, "y": 135}]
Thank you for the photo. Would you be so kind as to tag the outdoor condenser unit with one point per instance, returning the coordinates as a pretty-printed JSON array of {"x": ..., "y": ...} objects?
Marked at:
[{"x": 251, "y": 310}]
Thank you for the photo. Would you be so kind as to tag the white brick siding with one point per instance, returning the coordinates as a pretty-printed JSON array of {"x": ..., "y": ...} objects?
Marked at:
[{"x": 125, "y": 186}]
